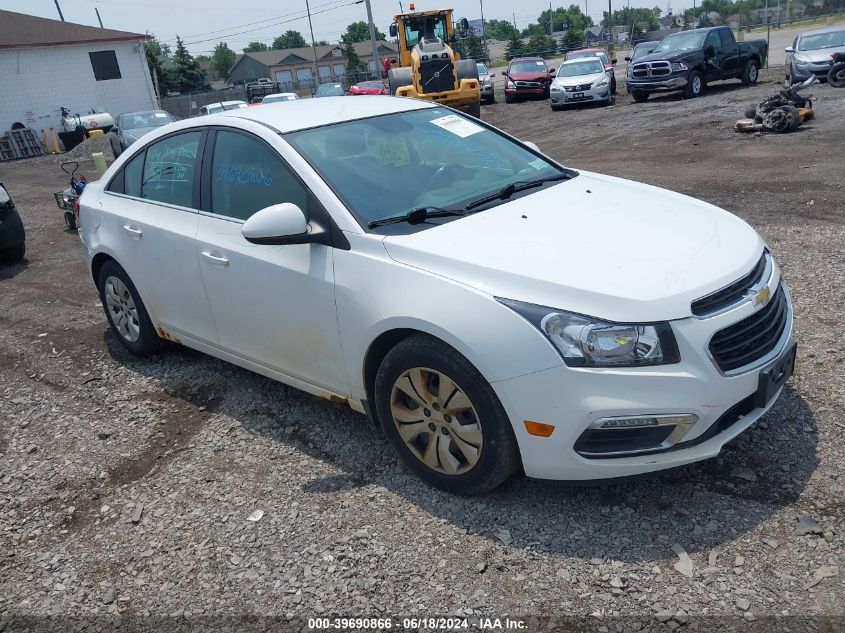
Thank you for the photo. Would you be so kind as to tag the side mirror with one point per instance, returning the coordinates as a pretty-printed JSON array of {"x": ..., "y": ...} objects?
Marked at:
[
  {"x": 789, "y": 49},
  {"x": 394, "y": 32},
  {"x": 278, "y": 224},
  {"x": 552, "y": 72},
  {"x": 463, "y": 25},
  {"x": 613, "y": 61},
  {"x": 627, "y": 59},
  {"x": 710, "y": 51},
  {"x": 531, "y": 145},
  {"x": 492, "y": 74}
]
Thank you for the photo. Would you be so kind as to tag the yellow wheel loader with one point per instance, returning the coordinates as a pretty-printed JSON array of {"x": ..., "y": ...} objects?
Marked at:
[{"x": 429, "y": 68}]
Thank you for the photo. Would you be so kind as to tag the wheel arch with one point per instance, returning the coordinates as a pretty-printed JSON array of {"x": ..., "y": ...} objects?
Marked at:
[{"x": 97, "y": 263}]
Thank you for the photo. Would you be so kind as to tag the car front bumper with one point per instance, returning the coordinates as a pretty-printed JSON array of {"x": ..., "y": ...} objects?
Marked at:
[
  {"x": 564, "y": 97},
  {"x": 802, "y": 72},
  {"x": 486, "y": 90},
  {"x": 664, "y": 85},
  {"x": 525, "y": 92},
  {"x": 574, "y": 399}
]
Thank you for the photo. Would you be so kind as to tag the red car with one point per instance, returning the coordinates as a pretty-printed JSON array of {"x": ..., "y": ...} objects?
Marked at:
[
  {"x": 602, "y": 55},
  {"x": 527, "y": 76},
  {"x": 369, "y": 88}
]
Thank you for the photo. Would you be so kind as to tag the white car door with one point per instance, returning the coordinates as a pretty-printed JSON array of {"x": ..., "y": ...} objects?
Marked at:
[
  {"x": 273, "y": 305},
  {"x": 154, "y": 221}
]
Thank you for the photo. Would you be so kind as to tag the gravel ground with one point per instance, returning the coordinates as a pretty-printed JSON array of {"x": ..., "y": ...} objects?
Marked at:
[{"x": 180, "y": 485}]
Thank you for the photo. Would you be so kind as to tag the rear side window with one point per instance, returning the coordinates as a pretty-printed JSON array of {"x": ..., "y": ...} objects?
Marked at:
[
  {"x": 132, "y": 176},
  {"x": 247, "y": 176},
  {"x": 169, "y": 169}
]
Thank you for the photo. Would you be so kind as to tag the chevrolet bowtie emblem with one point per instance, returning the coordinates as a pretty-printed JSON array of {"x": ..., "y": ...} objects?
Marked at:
[{"x": 762, "y": 297}]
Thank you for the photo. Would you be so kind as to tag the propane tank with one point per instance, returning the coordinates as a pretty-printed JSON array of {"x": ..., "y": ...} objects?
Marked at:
[{"x": 94, "y": 121}]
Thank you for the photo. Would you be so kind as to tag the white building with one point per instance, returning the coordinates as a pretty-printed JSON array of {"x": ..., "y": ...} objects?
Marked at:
[{"x": 48, "y": 64}]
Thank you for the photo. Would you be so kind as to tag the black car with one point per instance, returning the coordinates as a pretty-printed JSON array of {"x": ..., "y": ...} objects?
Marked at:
[
  {"x": 131, "y": 126},
  {"x": 12, "y": 237}
]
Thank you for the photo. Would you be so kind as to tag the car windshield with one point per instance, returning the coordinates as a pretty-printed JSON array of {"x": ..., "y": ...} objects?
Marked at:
[
  {"x": 601, "y": 55},
  {"x": 681, "y": 42},
  {"x": 389, "y": 165},
  {"x": 482, "y": 69},
  {"x": 136, "y": 120},
  {"x": 586, "y": 67},
  {"x": 330, "y": 90},
  {"x": 834, "y": 39},
  {"x": 272, "y": 98},
  {"x": 528, "y": 67},
  {"x": 234, "y": 106},
  {"x": 642, "y": 50}
]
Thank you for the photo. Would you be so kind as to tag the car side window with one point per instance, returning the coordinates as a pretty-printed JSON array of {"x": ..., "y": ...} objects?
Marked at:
[
  {"x": 247, "y": 176},
  {"x": 169, "y": 168},
  {"x": 714, "y": 39},
  {"x": 132, "y": 176}
]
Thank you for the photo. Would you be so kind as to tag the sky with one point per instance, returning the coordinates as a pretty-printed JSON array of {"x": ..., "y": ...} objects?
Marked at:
[{"x": 203, "y": 23}]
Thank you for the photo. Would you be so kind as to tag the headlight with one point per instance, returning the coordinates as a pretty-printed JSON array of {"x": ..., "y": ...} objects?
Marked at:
[
  {"x": 555, "y": 88},
  {"x": 676, "y": 66},
  {"x": 800, "y": 59},
  {"x": 4, "y": 196},
  {"x": 584, "y": 341},
  {"x": 603, "y": 81},
  {"x": 511, "y": 85}
]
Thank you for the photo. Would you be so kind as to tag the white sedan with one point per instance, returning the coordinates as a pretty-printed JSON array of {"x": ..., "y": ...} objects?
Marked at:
[{"x": 488, "y": 308}]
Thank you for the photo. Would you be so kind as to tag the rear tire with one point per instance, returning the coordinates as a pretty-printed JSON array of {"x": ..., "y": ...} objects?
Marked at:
[
  {"x": 751, "y": 73},
  {"x": 639, "y": 96},
  {"x": 13, "y": 254},
  {"x": 126, "y": 314},
  {"x": 556, "y": 108},
  {"x": 695, "y": 85},
  {"x": 474, "y": 448},
  {"x": 474, "y": 110},
  {"x": 70, "y": 220},
  {"x": 836, "y": 76}
]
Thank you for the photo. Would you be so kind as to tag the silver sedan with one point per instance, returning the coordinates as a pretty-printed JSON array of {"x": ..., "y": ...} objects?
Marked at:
[
  {"x": 580, "y": 80},
  {"x": 810, "y": 53}
]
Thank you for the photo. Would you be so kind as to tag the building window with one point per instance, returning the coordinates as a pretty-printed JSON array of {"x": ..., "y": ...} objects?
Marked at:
[{"x": 105, "y": 65}]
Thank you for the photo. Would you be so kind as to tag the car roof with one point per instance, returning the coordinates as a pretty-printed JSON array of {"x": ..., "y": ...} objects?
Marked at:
[
  {"x": 306, "y": 113},
  {"x": 829, "y": 29},
  {"x": 527, "y": 59},
  {"x": 580, "y": 60}
]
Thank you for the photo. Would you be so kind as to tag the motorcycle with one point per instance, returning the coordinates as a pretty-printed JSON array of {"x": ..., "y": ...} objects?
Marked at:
[
  {"x": 836, "y": 75},
  {"x": 781, "y": 112},
  {"x": 68, "y": 199}
]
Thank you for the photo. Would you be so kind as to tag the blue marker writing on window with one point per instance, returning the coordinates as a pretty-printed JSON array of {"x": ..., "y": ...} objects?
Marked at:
[{"x": 242, "y": 175}]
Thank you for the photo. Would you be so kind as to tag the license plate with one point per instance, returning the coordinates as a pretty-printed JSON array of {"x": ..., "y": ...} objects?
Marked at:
[
  {"x": 578, "y": 95},
  {"x": 775, "y": 376}
]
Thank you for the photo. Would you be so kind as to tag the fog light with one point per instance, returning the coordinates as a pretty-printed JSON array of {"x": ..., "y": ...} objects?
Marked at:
[
  {"x": 638, "y": 421},
  {"x": 631, "y": 435}
]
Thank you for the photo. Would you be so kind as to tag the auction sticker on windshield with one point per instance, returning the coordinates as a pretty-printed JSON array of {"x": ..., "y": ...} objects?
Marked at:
[{"x": 458, "y": 126}]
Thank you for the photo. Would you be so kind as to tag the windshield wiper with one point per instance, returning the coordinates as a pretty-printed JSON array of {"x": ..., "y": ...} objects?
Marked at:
[
  {"x": 417, "y": 216},
  {"x": 506, "y": 192}
]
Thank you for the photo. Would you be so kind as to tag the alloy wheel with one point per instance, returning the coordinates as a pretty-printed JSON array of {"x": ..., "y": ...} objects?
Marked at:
[
  {"x": 436, "y": 420},
  {"x": 122, "y": 309}
]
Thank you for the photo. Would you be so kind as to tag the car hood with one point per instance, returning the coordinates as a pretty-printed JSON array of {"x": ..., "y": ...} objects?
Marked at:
[
  {"x": 532, "y": 76},
  {"x": 595, "y": 245},
  {"x": 138, "y": 132},
  {"x": 671, "y": 56},
  {"x": 580, "y": 79},
  {"x": 819, "y": 55}
]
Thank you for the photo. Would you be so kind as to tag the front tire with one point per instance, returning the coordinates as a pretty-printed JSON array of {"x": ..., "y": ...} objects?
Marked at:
[
  {"x": 13, "y": 254},
  {"x": 639, "y": 96},
  {"x": 751, "y": 73},
  {"x": 443, "y": 417},
  {"x": 127, "y": 316},
  {"x": 695, "y": 85}
]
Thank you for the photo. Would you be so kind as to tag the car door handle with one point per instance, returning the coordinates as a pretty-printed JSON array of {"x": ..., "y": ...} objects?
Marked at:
[
  {"x": 216, "y": 258},
  {"x": 133, "y": 230}
]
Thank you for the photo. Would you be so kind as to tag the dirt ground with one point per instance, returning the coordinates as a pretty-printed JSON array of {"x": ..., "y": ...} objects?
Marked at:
[{"x": 125, "y": 484}]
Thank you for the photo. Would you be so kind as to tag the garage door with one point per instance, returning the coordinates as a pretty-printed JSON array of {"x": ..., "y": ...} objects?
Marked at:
[
  {"x": 285, "y": 79},
  {"x": 303, "y": 77}
]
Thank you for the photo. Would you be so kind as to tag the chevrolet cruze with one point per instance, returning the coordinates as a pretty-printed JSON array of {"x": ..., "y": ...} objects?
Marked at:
[{"x": 487, "y": 307}]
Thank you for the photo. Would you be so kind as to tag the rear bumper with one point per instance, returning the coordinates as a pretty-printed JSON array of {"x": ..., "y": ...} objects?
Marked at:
[{"x": 664, "y": 85}]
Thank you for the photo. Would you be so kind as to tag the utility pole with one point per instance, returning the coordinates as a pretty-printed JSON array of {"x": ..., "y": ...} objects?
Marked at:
[
  {"x": 59, "y": 9},
  {"x": 483, "y": 37},
  {"x": 551, "y": 23},
  {"x": 99, "y": 19},
  {"x": 514, "y": 20},
  {"x": 373, "y": 38},
  {"x": 313, "y": 47}
]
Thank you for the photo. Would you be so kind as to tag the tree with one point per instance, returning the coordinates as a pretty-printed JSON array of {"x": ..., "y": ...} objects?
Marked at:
[
  {"x": 157, "y": 53},
  {"x": 255, "y": 47},
  {"x": 359, "y": 32},
  {"x": 354, "y": 64},
  {"x": 187, "y": 74},
  {"x": 471, "y": 48},
  {"x": 565, "y": 19},
  {"x": 573, "y": 40},
  {"x": 223, "y": 59},
  {"x": 499, "y": 30},
  {"x": 202, "y": 58},
  {"x": 515, "y": 47},
  {"x": 291, "y": 39},
  {"x": 541, "y": 44}
]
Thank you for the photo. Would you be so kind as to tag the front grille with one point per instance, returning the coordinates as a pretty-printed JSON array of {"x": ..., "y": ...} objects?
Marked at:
[
  {"x": 752, "y": 338},
  {"x": 651, "y": 69},
  {"x": 528, "y": 84},
  {"x": 731, "y": 294},
  {"x": 581, "y": 88},
  {"x": 437, "y": 76}
]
